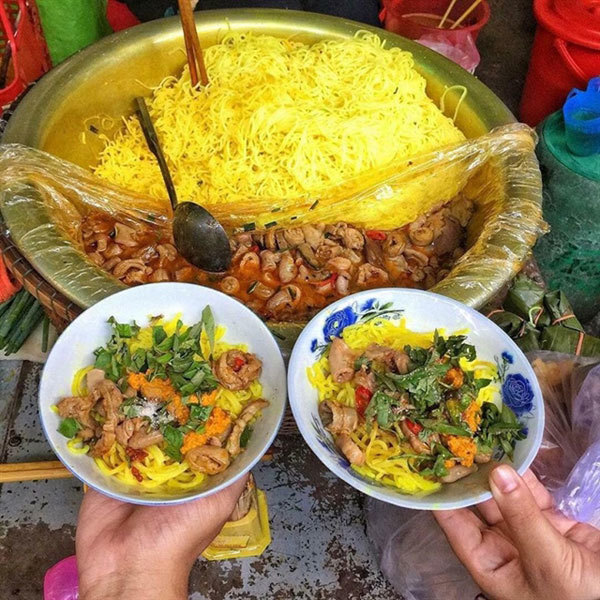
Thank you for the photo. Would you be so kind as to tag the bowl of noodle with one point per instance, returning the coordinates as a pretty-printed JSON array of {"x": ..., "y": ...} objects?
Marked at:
[
  {"x": 412, "y": 398},
  {"x": 163, "y": 395}
]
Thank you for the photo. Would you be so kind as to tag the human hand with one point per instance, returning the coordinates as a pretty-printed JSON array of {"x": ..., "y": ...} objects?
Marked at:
[
  {"x": 128, "y": 552},
  {"x": 519, "y": 546}
]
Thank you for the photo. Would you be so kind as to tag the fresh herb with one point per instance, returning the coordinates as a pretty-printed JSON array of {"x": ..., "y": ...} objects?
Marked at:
[
  {"x": 69, "y": 427},
  {"x": 208, "y": 323},
  {"x": 499, "y": 428},
  {"x": 174, "y": 439},
  {"x": 199, "y": 412},
  {"x": 245, "y": 437}
]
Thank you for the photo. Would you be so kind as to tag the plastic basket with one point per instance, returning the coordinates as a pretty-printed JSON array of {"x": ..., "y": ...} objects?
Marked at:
[{"x": 23, "y": 52}]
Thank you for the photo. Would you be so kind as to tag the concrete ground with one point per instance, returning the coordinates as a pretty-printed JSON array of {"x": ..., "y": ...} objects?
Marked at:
[{"x": 319, "y": 547}]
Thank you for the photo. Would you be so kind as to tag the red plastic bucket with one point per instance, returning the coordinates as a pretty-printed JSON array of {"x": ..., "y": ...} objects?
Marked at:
[
  {"x": 416, "y": 18},
  {"x": 565, "y": 54}
]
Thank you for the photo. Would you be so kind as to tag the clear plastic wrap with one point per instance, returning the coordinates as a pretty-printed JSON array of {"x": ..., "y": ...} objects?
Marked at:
[
  {"x": 43, "y": 198},
  {"x": 567, "y": 464}
]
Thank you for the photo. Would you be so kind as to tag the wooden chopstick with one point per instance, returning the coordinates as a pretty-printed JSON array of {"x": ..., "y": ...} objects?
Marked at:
[
  {"x": 192, "y": 43},
  {"x": 465, "y": 14},
  {"x": 448, "y": 11},
  {"x": 51, "y": 469}
]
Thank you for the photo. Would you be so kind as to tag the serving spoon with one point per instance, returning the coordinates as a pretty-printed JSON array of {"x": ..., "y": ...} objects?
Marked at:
[{"x": 198, "y": 236}]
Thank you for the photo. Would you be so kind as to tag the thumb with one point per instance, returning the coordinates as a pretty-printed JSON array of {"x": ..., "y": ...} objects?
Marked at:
[{"x": 538, "y": 543}]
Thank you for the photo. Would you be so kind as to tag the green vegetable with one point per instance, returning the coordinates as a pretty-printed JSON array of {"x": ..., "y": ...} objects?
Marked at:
[
  {"x": 124, "y": 330},
  {"x": 208, "y": 323},
  {"x": 69, "y": 427},
  {"x": 446, "y": 428},
  {"x": 45, "y": 333},
  {"x": 245, "y": 437},
  {"x": 199, "y": 412},
  {"x": 174, "y": 439}
]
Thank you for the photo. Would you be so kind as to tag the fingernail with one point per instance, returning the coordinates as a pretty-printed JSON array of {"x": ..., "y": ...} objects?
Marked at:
[{"x": 505, "y": 479}]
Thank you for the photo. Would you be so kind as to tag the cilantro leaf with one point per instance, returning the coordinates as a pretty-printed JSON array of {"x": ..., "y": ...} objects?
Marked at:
[{"x": 69, "y": 427}]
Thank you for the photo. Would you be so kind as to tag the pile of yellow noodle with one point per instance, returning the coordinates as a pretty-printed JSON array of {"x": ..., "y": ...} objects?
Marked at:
[
  {"x": 381, "y": 447},
  {"x": 280, "y": 120},
  {"x": 159, "y": 472}
]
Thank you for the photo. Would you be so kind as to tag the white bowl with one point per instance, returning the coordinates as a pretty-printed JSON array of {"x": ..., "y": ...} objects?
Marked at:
[
  {"x": 74, "y": 349},
  {"x": 424, "y": 312}
]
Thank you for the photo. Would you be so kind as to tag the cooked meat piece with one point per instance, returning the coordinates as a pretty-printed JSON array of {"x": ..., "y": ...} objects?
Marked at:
[
  {"x": 244, "y": 503},
  {"x": 402, "y": 362},
  {"x": 415, "y": 257},
  {"x": 78, "y": 408},
  {"x": 418, "y": 446},
  {"x": 341, "y": 361},
  {"x": 374, "y": 252},
  {"x": 270, "y": 241},
  {"x": 449, "y": 238},
  {"x": 420, "y": 232},
  {"x": 219, "y": 440},
  {"x": 167, "y": 252},
  {"x": 113, "y": 250},
  {"x": 230, "y": 285},
  {"x": 111, "y": 262},
  {"x": 328, "y": 250},
  {"x": 208, "y": 459},
  {"x": 86, "y": 434},
  {"x": 250, "y": 410},
  {"x": 365, "y": 378},
  {"x": 239, "y": 250},
  {"x": 124, "y": 431},
  {"x": 132, "y": 263},
  {"x": 354, "y": 257},
  {"x": 313, "y": 234},
  {"x": 395, "y": 243},
  {"x": 111, "y": 398},
  {"x": 159, "y": 275},
  {"x": 134, "y": 276},
  {"x": 144, "y": 438},
  {"x": 287, "y": 268},
  {"x": 308, "y": 255},
  {"x": 282, "y": 243},
  {"x": 106, "y": 440},
  {"x": 293, "y": 236},
  {"x": 124, "y": 235},
  {"x": 339, "y": 263},
  {"x": 482, "y": 457},
  {"x": 369, "y": 273},
  {"x": 235, "y": 369},
  {"x": 350, "y": 450},
  {"x": 262, "y": 291},
  {"x": 145, "y": 254},
  {"x": 286, "y": 298},
  {"x": 342, "y": 283},
  {"x": 93, "y": 378},
  {"x": 338, "y": 418},
  {"x": 352, "y": 238},
  {"x": 250, "y": 262},
  {"x": 101, "y": 240},
  {"x": 268, "y": 261},
  {"x": 458, "y": 472}
]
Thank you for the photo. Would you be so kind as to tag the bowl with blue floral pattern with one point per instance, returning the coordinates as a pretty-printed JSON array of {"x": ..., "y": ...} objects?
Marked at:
[{"x": 366, "y": 433}]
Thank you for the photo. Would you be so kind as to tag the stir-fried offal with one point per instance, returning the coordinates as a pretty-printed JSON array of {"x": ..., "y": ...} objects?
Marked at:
[{"x": 289, "y": 273}]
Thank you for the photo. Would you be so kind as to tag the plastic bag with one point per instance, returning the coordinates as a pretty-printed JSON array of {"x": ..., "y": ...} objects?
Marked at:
[
  {"x": 567, "y": 464},
  {"x": 70, "y": 25},
  {"x": 43, "y": 200},
  {"x": 460, "y": 49}
]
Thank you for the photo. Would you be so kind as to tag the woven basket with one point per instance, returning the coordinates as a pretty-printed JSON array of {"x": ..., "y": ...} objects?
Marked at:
[{"x": 61, "y": 311}]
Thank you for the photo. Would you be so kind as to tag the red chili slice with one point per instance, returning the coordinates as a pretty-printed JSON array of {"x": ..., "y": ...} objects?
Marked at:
[
  {"x": 376, "y": 235},
  {"x": 238, "y": 363},
  {"x": 415, "y": 428},
  {"x": 137, "y": 474},
  {"x": 254, "y": 248},
  {"x": 362, "y": 397}
]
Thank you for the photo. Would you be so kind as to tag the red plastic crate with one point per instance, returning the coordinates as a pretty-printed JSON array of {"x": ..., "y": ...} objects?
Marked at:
[{"x": 23, "y": 52}]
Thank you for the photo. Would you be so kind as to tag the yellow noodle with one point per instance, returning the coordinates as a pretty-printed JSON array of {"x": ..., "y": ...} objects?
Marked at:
[{"x": 280, "y": 119}]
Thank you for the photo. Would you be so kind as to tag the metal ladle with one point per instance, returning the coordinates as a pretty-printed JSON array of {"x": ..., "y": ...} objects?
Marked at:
[{"x": 198, "y": 236}]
